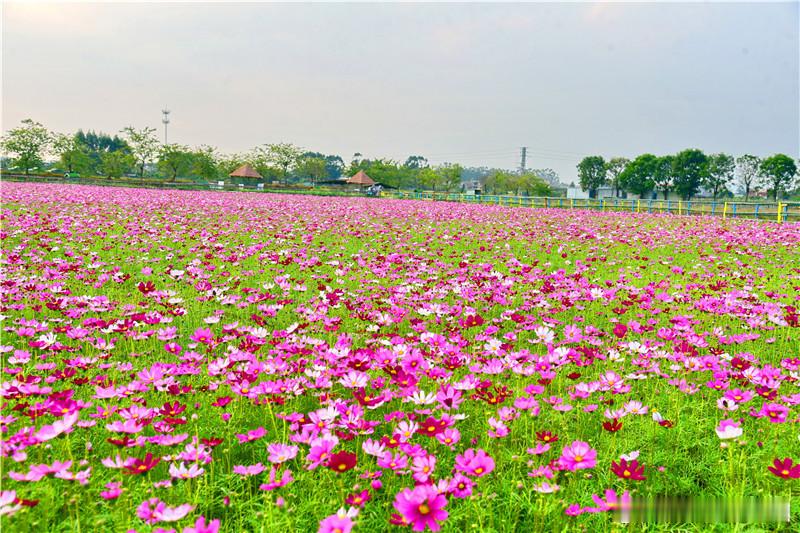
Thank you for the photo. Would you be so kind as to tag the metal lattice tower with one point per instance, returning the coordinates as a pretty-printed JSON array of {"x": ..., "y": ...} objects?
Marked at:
[{"x": 165, "y": 121}]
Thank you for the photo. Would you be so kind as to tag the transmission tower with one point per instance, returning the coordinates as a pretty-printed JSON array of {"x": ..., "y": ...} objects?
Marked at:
[
  {"x": 165, "y": 121},
  {"x": 523, "y": 155}
]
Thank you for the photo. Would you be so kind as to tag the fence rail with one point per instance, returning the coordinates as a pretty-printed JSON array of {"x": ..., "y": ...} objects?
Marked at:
[{"x": 777, "y": 211}]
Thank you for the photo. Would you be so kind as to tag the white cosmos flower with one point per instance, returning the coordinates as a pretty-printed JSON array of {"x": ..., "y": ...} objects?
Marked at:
[
  {"x": 420, "y": 397},
  {"x": 630, "y": 456}
]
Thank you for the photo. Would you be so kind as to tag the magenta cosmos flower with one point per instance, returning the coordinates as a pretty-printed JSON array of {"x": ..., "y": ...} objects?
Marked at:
[
  {"x": 785, "y": 468},
  {"x": 474, "y": 463},
  {"x": 578, "y": 455},
  {"x": 421, "y": 507},
  {"x": 336, "y": 524}
]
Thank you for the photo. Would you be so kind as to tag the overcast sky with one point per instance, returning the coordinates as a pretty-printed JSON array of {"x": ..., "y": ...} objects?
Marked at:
[{"x": 468, "y": 83}]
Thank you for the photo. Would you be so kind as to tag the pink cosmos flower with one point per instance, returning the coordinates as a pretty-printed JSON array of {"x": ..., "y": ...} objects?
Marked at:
[
  {"x": 180, "y": 471},
  {"x": 280, "y": 453},
  {"x": 422, "y": 468},
  {"x": 461, "y": 486},
  {"x": 113, "y": 492},
  {"x": 774, "y": 412},
  {"x": 422, "y": 506},
  {"x": 248, "y": 470},
  {"x": 474, "y": 463},
  {"x": 274, "y": 483},
  {"x": 729, "y": 429},
  {"x": 154, "y": 510},
  {"x": 201, "y": 526},
  {"x": 578, "y": 455},
  {"x": 336, "y": 524},
  {"x": 252, "y": 435}
]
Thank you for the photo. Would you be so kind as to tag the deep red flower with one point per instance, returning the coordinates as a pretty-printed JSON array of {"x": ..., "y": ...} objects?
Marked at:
[
  {"x": 146, "y": 287},
  {"x": 628, "y": 470},
  {"x": 212, "y": 442},
  {"x": 172, "y": 409},
  {"x": 546, "y": 436},
  {"x": 431, "y": 427},
  {"x": 612, "y": 425},
  {"x": 785, "y": 468},
  {"x": 140, "y": 466},
  {"x": 342, "y": 462}
]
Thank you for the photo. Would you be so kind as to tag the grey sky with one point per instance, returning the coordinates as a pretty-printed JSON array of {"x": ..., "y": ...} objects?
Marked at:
[{"x": 467, "y": 83}]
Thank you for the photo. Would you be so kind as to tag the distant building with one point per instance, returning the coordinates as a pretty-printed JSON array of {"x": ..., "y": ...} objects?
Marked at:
[{"x": 577, "y": 193}]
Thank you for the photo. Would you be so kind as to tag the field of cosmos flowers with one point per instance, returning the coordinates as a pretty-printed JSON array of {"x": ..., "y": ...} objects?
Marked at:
[{"x": 210, "y": 361}]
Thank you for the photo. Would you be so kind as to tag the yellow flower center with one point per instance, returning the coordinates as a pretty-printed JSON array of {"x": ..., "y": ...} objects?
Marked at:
[{"x": 424, "y": 509}]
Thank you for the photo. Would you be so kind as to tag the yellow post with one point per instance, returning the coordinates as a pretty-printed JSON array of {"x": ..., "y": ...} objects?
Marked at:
[
  {"x": 639, "y": 205},
  {"x": 725, "y": 211},
  {"x": 680, "y": 203},
  {"x": 779, "y": 211},
  {"x": 572, "y": 203}
]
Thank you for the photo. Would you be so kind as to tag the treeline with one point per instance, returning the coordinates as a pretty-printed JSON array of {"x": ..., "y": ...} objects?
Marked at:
[
  {"x": 139, "y": 153},
  {"x": 688, "y": 172}
]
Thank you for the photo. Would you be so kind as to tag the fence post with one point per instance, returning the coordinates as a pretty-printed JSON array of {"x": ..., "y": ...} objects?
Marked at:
[
  {"x": 779, "y": 212},
  {"x": 725, "y": 211}
]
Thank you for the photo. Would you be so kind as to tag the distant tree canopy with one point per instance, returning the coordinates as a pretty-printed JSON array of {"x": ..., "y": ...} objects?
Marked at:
[
  {"x": 637, "y": 177},
  {"x": 747, "y": 170},
  {"x": 592, "y": 174},
  {"x": 690, "y": 171},
  {"x": 525, "y": 184},
  {"x": 778, "y": 173},
  {"x": 27, "y": 145},
  {"x": 32, "y": 147}
]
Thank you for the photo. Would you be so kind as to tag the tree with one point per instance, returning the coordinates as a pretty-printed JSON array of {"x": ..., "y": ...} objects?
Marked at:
[
  {"x": 334, "y": 166},
  {"x": 549, "y": 175},
  {"x": 637, "y": 177},
  {"x": 614, "y": 168},
  {"x": 531, "y": 184},
  {"x": 416, "y": 162},
  {"x": 689, "y": 169},
  {"x": 662, "y": 174},
  {"x": 204, "y": 162},
  {"x": 143, "y": 145},
  {"x": 450, "y": 176},
  {"x": 174, "y": 159},
  {"x": 73, "y": 154},
  {"x": 719, "y": 174},
  {"x": 117, "y": 163},
  {"x": 777, "y": 173},
  {"x": 747, "y": 170},
  {"x": 312, "y": 167},
  {"x": 27, "y": 144},
  {"x": 283, "y": 156},
  {"x": 98, "y": 144},
  {"x": 592, "y": 174},
  {"x": 429, "y": 178}
]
